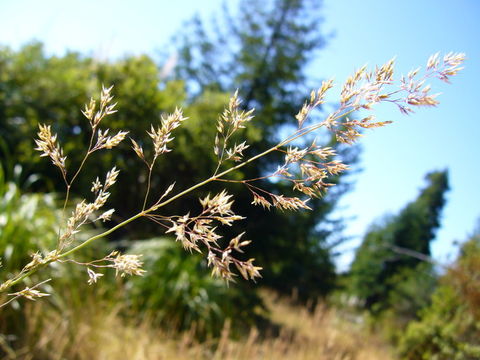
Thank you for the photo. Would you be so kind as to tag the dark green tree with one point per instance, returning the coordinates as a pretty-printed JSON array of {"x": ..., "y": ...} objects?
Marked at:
[
  {"x": 392, "y": 255},
  {"x": 263, "y": 51}
]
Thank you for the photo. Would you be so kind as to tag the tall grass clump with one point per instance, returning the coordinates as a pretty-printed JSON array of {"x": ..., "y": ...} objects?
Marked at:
[{"x": 307, "y": 167}]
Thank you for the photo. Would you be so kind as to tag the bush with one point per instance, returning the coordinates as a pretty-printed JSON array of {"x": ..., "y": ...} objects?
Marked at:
[{"x": 450, "y": 327}]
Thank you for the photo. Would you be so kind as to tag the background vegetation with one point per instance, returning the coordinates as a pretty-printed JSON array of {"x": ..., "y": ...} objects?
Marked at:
[{"x": 178, "y": 310}]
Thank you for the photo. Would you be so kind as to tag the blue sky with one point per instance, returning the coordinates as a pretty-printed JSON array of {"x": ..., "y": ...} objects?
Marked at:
[{"x": 394, "y": 159}]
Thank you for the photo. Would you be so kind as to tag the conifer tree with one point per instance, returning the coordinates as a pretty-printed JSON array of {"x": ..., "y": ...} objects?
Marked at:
[{"x": 391, "y": 253}]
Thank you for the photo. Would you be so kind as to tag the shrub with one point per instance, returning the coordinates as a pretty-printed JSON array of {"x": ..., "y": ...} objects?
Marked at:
[{"x": 450, "y": 327}]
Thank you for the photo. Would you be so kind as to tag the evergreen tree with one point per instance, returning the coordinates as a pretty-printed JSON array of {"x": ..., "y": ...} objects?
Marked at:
[
  {"x": 262, "y": 51},
  {"x": 384, "y": 262}
]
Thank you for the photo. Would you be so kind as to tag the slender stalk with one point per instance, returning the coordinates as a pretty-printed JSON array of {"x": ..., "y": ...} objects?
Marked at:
[
  {"x": 149, "y": 181},
  {"x": 103, "y": 234},
  {"x": 9, "y": 301},
  {"x": 15, "y": 281},
  {"x": 220, "y": 161},
  {"x": 69, "y": 184}
]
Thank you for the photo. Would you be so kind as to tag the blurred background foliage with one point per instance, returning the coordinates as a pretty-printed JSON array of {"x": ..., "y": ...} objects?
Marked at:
[
  {"x": 179, "y": 292},
  {"x": 449, "y": 328},
  {"x": 263, "y": 53}
]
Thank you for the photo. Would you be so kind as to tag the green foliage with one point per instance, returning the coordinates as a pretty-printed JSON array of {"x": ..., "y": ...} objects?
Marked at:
[
  {"x": 411, "y": 291},
  {"x": 384, "y": 270},
  {"x": 450, "y": 327},
  {"x": 35, "y": 88},
  {"x": 56, "y": 91},
  {"x": 141, "y": 96},
  {"x": 28, "y": 223},
  {"x": 179, "y": 293}
]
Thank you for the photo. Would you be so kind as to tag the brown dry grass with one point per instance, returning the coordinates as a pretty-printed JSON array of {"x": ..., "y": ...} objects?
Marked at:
[{"x": 100, "y": 333}]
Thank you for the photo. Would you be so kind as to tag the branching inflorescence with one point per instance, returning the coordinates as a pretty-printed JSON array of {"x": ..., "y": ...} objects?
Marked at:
[{"x": 308, "y": 170}]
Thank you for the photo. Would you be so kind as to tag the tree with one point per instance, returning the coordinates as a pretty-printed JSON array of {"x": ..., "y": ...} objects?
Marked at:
[
  {"x": 263, "y": 51},
  {"x": 384, "y": 262}
]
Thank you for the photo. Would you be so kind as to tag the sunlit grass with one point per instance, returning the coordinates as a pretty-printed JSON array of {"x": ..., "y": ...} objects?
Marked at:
[{"x": 100, "y": 331}]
